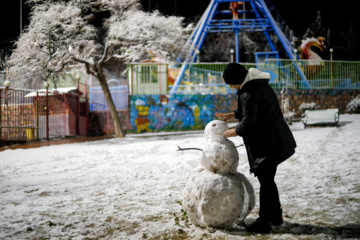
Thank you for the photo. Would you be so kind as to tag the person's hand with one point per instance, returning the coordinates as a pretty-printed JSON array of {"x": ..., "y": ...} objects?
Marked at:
[
  {"x": 230, "y": 133},
  {"x": 225, "y": 116}
]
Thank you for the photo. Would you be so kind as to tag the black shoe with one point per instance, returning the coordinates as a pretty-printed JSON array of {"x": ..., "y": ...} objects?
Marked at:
[
  {"x": 276, "y": 218},
  {"x": 260, "y": 226}
]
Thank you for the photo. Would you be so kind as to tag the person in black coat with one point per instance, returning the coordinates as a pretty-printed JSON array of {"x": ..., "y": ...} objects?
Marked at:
[{"x": 267, "y": 137}]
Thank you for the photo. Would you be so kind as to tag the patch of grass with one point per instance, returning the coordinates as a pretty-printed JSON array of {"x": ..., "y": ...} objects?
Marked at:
[
  {"x": 15, "y": 203},
  {"x": 44, "y": 194},
  {"x": 153, "y": 219},
  {"x": 181, "y": 219}
]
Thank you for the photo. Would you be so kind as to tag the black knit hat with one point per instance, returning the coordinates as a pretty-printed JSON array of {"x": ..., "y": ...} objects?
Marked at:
[{"x": 234, "y": 74}]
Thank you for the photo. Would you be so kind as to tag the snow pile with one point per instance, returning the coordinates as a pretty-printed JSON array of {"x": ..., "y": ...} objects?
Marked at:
[
  {"x": 354, "y": 105},
  {"x": 216, "y": 195},
  {"x": 130, "y": 188},
  {"x": 307, "y": 106}
]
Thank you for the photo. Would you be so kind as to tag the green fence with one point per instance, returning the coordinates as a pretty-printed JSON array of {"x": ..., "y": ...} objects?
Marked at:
[
  {"x": 205, "y": 78},
  {"x": 148, "y": 78},
  {"x": 316, "y": 74}
]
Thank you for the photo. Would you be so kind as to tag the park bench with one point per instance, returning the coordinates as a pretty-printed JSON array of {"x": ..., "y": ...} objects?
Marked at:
[{"x": 325, "y": 116}]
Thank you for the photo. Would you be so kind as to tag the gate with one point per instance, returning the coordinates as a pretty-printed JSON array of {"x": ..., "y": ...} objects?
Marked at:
[
  {"x": 17, "y": 115},
  {"x": 148, "y": 78},
  {"x": 27, "y": 115},
  {"x": 100, "y": 109}
]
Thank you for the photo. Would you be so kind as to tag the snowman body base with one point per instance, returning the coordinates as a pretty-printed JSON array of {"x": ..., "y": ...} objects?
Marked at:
[{"x": 218, "y": 200}]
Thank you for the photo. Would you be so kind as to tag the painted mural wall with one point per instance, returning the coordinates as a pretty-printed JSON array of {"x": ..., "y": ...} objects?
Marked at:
[{"x": 153, "y": 113}]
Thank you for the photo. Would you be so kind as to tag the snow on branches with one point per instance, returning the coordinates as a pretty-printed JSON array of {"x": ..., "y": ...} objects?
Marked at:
[
  {"x": 92, "y": 32},
  {"x": 137, "y": 33},
  {"x": 43, "y": 48}
]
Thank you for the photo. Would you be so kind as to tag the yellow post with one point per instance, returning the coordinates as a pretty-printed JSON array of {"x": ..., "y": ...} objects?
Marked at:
[{"x": 29, "y": 134}]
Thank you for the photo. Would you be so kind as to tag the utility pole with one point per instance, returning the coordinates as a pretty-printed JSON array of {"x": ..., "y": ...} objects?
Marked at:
[{"x": 20, "y": 16}]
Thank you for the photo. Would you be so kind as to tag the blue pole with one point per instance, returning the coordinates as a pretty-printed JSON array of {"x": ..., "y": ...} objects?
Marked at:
[
  {"x": 196, "y": 43},
  {"x": 285, "y": 43},
  {"x": 237, "y": 45}
]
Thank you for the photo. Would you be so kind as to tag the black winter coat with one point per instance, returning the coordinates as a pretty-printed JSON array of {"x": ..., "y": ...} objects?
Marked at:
[{"x": 266, "y": 135}]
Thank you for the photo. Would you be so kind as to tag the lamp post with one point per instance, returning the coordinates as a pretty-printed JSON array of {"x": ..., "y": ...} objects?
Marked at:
[
  {"x": 295, "y": 52},
  {"x": 231, "y": 55},
  {"x": 46, "y": 86},
  {"x": 7, "y": 84},
  {"x": 331, "y": 54},
  {"x": 77, "y": 79},
  {"x": 332, "y": 70},
  {"x": 77, "y": 119},
  {"x": 21, "y": 16}
]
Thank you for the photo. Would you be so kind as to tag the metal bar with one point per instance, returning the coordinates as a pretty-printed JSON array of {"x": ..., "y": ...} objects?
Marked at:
[
  {"x": 209, "y": 13},
  {"x": 47, "y": 114},
  {"x": 237, "y": 46},
  {"x": 37, "y": 115},
  {"x": 19, "y": 127},
  {"x": 1, "y": 108},
  {"x": 258, "y": 15},
  {"x": 286, "y": 44}
]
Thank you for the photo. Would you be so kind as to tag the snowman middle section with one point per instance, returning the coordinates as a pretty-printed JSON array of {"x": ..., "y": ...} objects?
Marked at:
[{"x": 216, "y": 195}]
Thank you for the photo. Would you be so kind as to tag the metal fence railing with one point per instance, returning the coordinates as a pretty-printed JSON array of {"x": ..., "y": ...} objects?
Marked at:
[
  {"x": 27, "y": 115},
  {"x": 317, "y": 74},
  {"x": 203, "y": 78},
  {"x": 148, "y": 78}
]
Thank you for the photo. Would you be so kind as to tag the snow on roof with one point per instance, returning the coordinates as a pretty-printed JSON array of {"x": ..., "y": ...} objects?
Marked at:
[{"x": 42, "y": 92}]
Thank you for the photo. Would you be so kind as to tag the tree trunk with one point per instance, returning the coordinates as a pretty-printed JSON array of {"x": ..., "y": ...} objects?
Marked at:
[{"x": 114, "y": 114}]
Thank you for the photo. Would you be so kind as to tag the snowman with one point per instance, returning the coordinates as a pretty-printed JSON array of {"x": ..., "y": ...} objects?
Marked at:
[{"x": 216, "y": 195}]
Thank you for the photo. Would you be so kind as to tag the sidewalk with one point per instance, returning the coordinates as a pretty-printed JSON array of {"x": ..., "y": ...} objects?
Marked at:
[{"x": 78, "y": 139}]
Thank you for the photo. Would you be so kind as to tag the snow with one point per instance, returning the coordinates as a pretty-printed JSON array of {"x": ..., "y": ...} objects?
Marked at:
[
  {"x": 129, "y": 188},
  {"x": 219, "y": 153},
  {"x": 216, "y": 195}
]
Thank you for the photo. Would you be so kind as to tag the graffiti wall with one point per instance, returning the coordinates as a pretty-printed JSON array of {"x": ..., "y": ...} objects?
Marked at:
[{"x": 153, "y": 113}]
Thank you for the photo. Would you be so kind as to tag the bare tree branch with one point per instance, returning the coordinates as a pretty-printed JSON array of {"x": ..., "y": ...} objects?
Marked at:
[{"x": 183, "y": 149}]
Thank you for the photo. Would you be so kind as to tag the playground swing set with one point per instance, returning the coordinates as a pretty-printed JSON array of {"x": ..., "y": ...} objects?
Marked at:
[{"x": 187, "y": 75}]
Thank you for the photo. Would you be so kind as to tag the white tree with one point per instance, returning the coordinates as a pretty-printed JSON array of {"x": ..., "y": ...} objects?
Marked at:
[{"x": 93, "y": 33}]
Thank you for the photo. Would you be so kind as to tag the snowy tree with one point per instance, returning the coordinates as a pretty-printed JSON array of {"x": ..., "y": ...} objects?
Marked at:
[
  {"x": 317, "y": 28},
  {"x": 217, "y": 47},
  {"x": 4, "y": 57},
  {"x": 95, "y": 34}
]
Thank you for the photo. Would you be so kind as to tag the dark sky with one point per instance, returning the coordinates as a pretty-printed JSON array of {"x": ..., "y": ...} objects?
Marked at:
[
  {"x": 297, "y": 14},
  {"x": 10, "y": 22}
]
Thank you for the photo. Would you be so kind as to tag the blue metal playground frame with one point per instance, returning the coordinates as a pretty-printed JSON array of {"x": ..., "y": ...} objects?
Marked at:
[{"x": 263, "y": 22}]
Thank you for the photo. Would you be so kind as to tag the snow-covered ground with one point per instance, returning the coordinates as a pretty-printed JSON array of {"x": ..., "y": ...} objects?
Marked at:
[{"x": 129, "y": 188}]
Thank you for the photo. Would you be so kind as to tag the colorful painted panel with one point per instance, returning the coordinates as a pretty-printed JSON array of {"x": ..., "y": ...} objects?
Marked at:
[{"x": 153, "y": 113}]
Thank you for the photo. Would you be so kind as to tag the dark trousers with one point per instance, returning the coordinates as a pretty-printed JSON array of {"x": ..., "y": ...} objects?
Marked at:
[{"x": 269, "y": 195}]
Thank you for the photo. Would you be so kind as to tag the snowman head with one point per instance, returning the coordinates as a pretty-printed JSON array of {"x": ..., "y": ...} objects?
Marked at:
[{"x": 214, "y": 130}]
